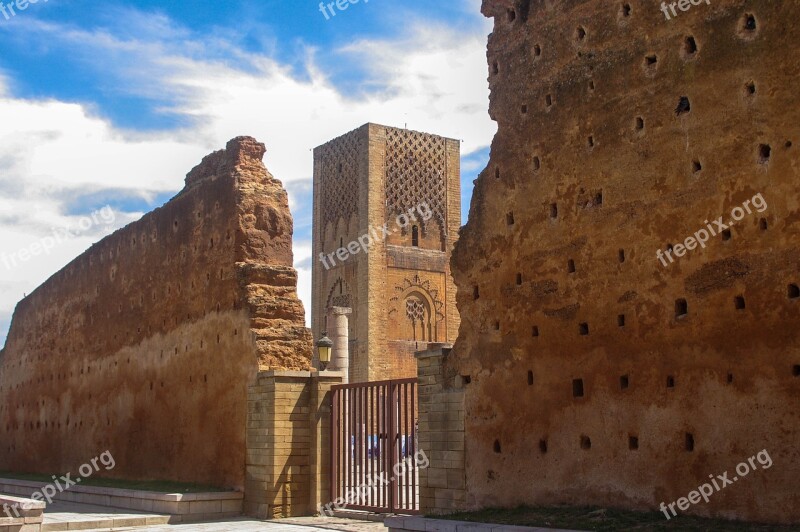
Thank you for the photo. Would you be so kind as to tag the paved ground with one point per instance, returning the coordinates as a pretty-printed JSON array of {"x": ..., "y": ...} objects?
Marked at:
[
  {"x": 71, "y": 516},
  {"x": 304, "y": 524}
]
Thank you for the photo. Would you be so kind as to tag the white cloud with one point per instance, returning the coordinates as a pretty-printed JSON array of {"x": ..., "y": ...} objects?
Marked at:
[{"x": 433, "y": 80}]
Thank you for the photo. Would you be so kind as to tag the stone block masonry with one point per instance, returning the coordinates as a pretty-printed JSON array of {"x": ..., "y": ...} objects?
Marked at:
[
  {"x": 145, "y": 344},
  {"x": 599, "y": 377},
  {"x": 288, "y": 443},
  {"x": 441, "y": 433}
]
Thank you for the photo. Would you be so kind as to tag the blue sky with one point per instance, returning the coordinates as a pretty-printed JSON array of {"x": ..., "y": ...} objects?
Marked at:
[{"x": 111, "y": 103}]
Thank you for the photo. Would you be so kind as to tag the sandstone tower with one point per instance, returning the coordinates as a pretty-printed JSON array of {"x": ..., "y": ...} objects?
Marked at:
[
  {"x": 596, "y": 373},
  {"x": 386, "y": 215}
]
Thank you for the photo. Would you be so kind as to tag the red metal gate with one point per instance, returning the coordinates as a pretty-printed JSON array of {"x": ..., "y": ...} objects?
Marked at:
[{"x": 374, "y": 445}]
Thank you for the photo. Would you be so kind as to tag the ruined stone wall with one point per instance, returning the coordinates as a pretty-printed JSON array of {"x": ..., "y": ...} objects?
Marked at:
[
  {"x": 145, "y": 345},
  {"x": 599, "y": 375}
]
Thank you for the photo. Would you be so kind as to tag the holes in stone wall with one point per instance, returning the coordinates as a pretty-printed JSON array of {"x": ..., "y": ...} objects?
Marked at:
[
  {"x": 577, "y": 388},
  {"x": 537, "y": 50},
  {"x": 689, "y": 442},
  {"x": 530, "y": 378},
  {"x": 543, "y": 446},
  {"x": 625, "y": 10},
  {"x": 537, "y": 163},
  {"x": 748, "y": 26},
  {"x": 591, "y": 85},
  {"x": 697, "y": 166},
  {"x": 796, "y": 370},
  {"x": 548, "y": 101},
  {"x": 571, "y": 266},
  {"x": 690, "y": 48},
  {"x": 497, "y": 173},
  {"x": 750, "y": 88},
  {"x": 739, "y": 302},
  {"x": 510, "y": 218},
  {"x": 621, "y": 320},
  {"x": 495, "y": 68},
  {"x": 512, "y": 15},
  {"x": 633, "y": 443},
  {"x": 638, "y": 123},
  {"x": 476, "y": 293},
  {"x": 624, "y": 382},
  {"x": 524, "y": 109},
  {"x": 621, "y": 256},
  {"x": 793, "y": 291},
  {"x": 519, "y": 279},
  {"x": 726, "y": 235},
  {"x": 497, "y": 448},
  {"x": 788, "y": 144},
  {"x": 553, "y": 210},
  {"x": 730, "y": 378},
  {"x": 670, "y": 382},
  {"x": 496, "y": 325},
  {"x": 650, "y": 62},
  {"x": 586, "y": 443},
  {"x": 681, "y": 308},
  {"x": 598, "y": 199},
  {"x": 590, "y": 141},
  {"x": 583, "y": 329},
  {"x": 580, "y": 33},
  {"x": 764, "y": 153},
  {"x": 535, "y": 331},
  {"x": 684, "y": 106}
]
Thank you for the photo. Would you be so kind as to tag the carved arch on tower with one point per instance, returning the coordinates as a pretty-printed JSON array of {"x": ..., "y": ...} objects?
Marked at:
[
  {"x": 417, "y": 310},
  {"x": 340, "y": 295}
]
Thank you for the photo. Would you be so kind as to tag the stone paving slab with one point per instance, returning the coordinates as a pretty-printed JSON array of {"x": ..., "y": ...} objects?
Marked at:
[
  {"x": 62, "y": 515},
  {"x": 423, "y": 524},
  {"x": 301, "y": 524}
]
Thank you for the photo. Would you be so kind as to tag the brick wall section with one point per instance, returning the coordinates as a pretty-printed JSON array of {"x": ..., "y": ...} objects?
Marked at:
[
  {"x": 288, "y": 450},
  {"x": 441, "y": 434}
]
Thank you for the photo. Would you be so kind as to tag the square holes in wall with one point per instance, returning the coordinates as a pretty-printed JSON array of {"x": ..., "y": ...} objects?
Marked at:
[
  {"x": 689, "y": 442},
  {"x": 670, "y": 382},
  {"x": 586, "y": 443},
  {"x": 793, "y": 291},
  {"x": 681, "y": 308},
  {"x": 530, "y": 378},
  {"x": 543, "y": 446},
  {"x": 621, "y": 256},
  {"x": 633, "y": 443},
  {"x": 553, "y": 211},
  {"x": 739, "y": 302},
  {"x": 796, "y": 370},
  {"x": 621, "y": 320},
  {"x": 577, "y": 388},
  {"x": 726, "y": 235},
  {"x": 583, "y": 329},
  {"x": 571, "y": 266},
  {"x": 764, "y": 153},
  {"x": 535, "y": 331},
  {"x": 624, "y": 382}
]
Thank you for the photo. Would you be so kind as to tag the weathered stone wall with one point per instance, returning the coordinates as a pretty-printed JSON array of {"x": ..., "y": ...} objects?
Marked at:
[
  {"x": 145, "y": 345},
  {"x": 620, "y": 132}
]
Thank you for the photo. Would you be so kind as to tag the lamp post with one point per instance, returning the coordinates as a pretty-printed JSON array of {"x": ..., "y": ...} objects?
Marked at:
[{"x": 324, "y": 348}]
